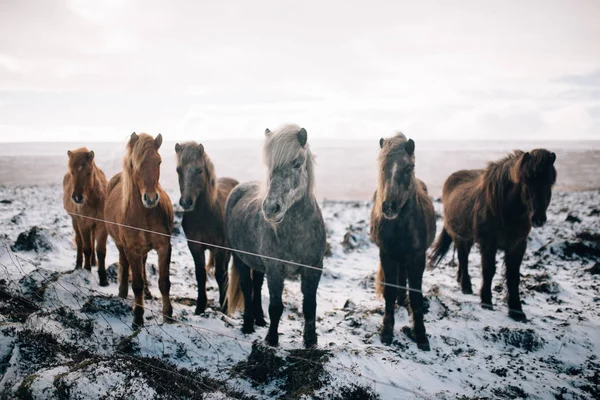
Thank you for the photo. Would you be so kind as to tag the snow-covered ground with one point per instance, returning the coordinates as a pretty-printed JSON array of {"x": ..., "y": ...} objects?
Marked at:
[{"x": 64, "y": 336}]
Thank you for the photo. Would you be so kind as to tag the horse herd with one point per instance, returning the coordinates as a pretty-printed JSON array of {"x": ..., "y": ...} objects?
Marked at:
[{"x": 275, "y": 228}]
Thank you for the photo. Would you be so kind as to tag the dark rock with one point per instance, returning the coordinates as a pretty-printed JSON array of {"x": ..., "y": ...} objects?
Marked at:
[
  {"x": 5, "y": 201},
  {"x": 112, "y": 272},
  {"x": 595, "y": 270},
  {"x": 34, "y": 240},
  {"x": 349, "y": 305},
  {"x": 572, "y": 218}
]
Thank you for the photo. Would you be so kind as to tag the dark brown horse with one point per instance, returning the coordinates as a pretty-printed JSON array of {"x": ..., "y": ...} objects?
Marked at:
[
  {"x": 496, "y": 208},
  {"x": 403, "y": 227},
  {"x": 203, "y": 199},
  {"x": 136, "y": 199},
  {"x": 84, "y": 193}
]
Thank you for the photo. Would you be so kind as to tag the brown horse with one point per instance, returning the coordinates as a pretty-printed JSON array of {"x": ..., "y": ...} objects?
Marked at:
[
  {"x": 84, "y": 193},
  {"x": 496, "y": 208},
  {"x": 136, "y": 199},
  {"x": 203, "y": 199},
  {"x": 403, "y": 227}
]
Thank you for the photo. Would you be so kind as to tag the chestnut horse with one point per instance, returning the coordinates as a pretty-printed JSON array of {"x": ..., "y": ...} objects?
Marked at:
[
  {"x": 84, "y": 193},
  {"x": 203, "y": 198},
  {"x": 136, "y": 199},
  {"x": 496, "y": 208},
  {"x": 403, "y": 227}
]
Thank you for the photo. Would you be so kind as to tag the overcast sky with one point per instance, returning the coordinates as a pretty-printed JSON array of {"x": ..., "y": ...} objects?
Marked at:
[{"x": 98, "y": 70}]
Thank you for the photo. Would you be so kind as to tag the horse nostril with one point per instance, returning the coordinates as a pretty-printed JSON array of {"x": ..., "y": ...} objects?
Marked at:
[
  {"x": 156, "y": 198},
  {"x": 145, "y": 197},
  {"x": 276, "y": 208},
  {"x": 394, "y": 206}
]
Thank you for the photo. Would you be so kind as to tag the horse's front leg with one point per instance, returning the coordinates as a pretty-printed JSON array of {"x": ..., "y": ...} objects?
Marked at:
[
  {"x": 137, "y": 284},
  {"x": 147, "y": 293},
  {"x": 415, "y": 269},
  {"x": 275, "y": 283},
  {"x": 390, "y": 294},
  {"x": 79, "y": 243},
  {"x": 199, "y": 264},
  {"x": 87, "y": 239},
  {"x": 310, "y": 283},
  {"x": 257, "y": 284},
  {"x": 164, "y": 282},
  {"x": 513, "y": 259},
  {"x": 123, "y": 273},
  {"x": 101, "y": 236},
  {"x": 488, "y": 270}
]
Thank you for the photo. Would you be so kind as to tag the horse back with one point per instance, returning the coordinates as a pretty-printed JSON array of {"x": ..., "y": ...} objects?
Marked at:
[
  {"x": 224, "y": 187},
  {"x": 460, "y": 198},
  {"x": 114, "y": 181}
]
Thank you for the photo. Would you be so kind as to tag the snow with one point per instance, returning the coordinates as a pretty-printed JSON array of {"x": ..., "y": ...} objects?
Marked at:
[{"x": 475, "y": 352}]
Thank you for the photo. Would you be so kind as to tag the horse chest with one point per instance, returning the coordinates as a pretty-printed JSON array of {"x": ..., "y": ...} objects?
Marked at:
[{"x": 399, "y": 236}]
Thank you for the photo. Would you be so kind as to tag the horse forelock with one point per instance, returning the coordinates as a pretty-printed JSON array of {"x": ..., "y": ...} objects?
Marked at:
[
  {"x": 391, "y": 153},
  {"x": 190, "y": 154},
  {"x": 136, "y": 154},
  {"x": 282, "y": 147}
]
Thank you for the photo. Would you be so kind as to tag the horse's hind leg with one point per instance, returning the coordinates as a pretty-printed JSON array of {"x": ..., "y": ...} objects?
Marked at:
[
  {"x": 93, "y": 242},
  {"x": 462, "y": 276},
  {"x": 310, "y": 283},
  {"x": 390, "y": 294},
  {"x": 513, "y": 260},
  {"x": 101, "y": 236},
  {"x": 123, "y": 273},
  {"x": 257, "y": 283},
  {"x": 275, "y": 283},
  {"x": 415, "y": 280},
  {"x": 221, "y": 258},
  {"x": 246, "y": 286},
  {"x": 199, "y": 263}
]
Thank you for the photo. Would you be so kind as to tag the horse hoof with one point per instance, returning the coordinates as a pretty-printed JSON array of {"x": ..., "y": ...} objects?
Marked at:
[
  {"x": 518, "y": 316},
  {"x": 123, "y": 294},
  {"x": 387, "y": 338},
  {"x": 260, "y": 322},
  {"x": 247, "y": 329},
  {"x": 199, "y": 310},
  {"x": 310, "y": 341},
  {"x": 137, "y": 323},
  {"x": 147, "y": 295},
  {"x": 467, "y": 290},
  {"x": 487, "y": 306},
  {"x": 424, "y": 346},
  {"x": 104, "y": 282},
  {"x": 167, "y": 319},
  {"x": 272, "y": 340}
]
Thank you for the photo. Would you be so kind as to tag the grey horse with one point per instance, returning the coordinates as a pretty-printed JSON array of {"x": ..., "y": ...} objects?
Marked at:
[{"x": 280, "y": 220}]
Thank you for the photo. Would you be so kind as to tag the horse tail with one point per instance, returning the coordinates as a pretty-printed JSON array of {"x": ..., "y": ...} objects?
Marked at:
[
  {"x": 234, "y": 298},
  {"x": 379, "y": 282},
  {"x": 439, "y": 248}
]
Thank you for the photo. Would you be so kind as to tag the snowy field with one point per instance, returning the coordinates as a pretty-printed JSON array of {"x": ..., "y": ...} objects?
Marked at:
[{"x": 64, "y": 336}]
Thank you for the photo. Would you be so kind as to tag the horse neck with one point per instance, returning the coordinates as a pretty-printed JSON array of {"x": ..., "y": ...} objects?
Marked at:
[{"x": 207, "y": 202}]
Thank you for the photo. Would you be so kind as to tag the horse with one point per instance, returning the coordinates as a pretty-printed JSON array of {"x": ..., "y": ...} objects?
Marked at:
[
  {"x": 282, "y": 221},
  {"x": 136, "y": 200},
  {"x": 203, "y": 198},
  {"x": 403, "y": 227},
  {"x": 84, "y": 193},
  {"x": 496, "y": 207}
]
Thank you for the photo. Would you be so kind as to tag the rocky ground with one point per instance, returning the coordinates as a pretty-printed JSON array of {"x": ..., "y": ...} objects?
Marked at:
[{"x": 63, "y": 336}]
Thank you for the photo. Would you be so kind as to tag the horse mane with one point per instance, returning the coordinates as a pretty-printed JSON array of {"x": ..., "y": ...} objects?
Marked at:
[
  {"x": 189, "y": 153},
  {"x": 132, "y": 161},
  {"x": 282, "y": 147},
  {"x": 497, "y": 178}
]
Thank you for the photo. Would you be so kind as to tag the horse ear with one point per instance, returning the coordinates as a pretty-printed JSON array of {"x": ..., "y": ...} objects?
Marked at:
[
  {"x": 526, "y": 158},
  {"x": 268, "y": 133},
  {"x": 91, "y": 155},
  {"x": 158, "y": 141},
  {"x": 302, "y": 136},
  {"x": 201, "y": 148},
  {"x": 410, "y": 147},
  {"x": 552, "y": 158},
  {"x": 178, "y": 148},
  {"x": 381, "y": 142},
  {"x": 133, "y": 139},
  {"x": 69, "y": 153}
]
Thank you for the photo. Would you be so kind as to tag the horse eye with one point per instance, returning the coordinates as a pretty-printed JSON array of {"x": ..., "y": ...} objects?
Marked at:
[
  {"x": 199, "y": 171},
  {"x": 297, "y": 164}
]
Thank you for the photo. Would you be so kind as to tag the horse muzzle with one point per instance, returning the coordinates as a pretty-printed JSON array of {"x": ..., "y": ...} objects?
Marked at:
[
  {"x": 77, "y": 198},
  {"x": 390, "y": 209},
  {"x": 187, "y": 203},
  {"x": 150, "y": 202}
]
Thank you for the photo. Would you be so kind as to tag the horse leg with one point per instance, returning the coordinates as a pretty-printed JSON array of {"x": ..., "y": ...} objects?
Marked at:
[
  {"x": 221, "y": 259},
  {"x": 86, "y": 236},
  {"x": 310, "y": 283},
  {"x": 123, "y": 273},
  {"x": 199, "y": 262},
  {"x": 164, "y": 283},
  {"x": 275, "y": 283},
  {"x": 403, "y": 298},
  {"x": 257, "y": 283},
  {"x": 246, "y": 286},
  {"x": 93, "y": 242},
  {"x": 147, "y": 293},
  {"x": 463, "y": 278},
  {"x": 415, "y": 280},
  {"x": 79, "y": 243},
  {"x": 101, "y": 235},
  {"x": 488, "y": 269},
  {"x": 390, "y": 294},
  {"x": 137, "y": 284},
  {"x": 513, "y": 260}
]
